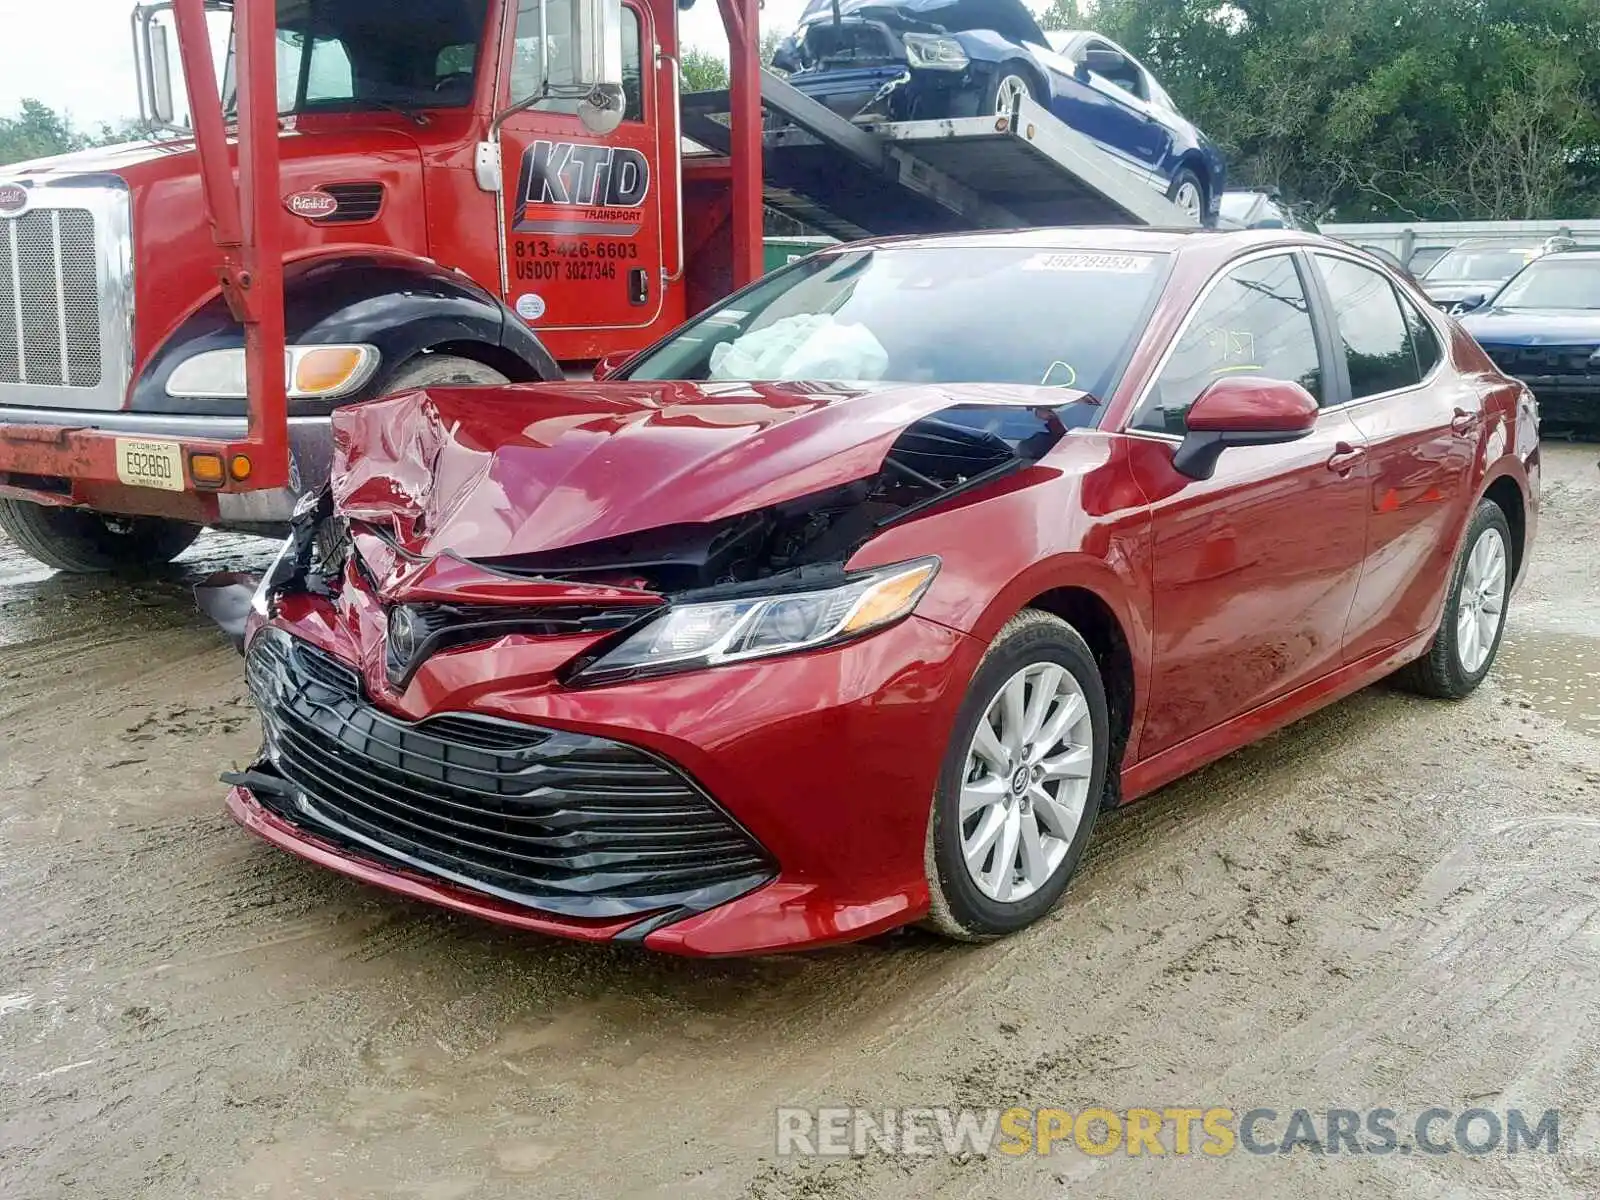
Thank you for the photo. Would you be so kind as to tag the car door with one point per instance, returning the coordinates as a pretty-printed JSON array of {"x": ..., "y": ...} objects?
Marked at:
[
  {"x": 1422, "y": 426},
  {"x": 1254, "y": 569},
  {"x": 582, "y": 213},
  {"x": 1106, "y": 108}
]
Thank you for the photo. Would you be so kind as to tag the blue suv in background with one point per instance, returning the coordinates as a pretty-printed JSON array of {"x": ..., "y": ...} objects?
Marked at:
[{"x": 906, "y": 60}]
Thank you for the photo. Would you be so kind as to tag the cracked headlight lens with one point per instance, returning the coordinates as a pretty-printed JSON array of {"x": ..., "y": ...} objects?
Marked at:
[{"x": 691, "y": 636}]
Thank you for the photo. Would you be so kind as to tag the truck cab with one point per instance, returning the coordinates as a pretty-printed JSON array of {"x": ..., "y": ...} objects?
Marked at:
[{"x": 446, "y": 216}]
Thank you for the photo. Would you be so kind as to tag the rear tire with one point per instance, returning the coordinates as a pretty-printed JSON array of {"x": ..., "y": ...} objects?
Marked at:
[
  {"x": 987, "y": 880},
  {"x": 1189, "y": 194},
  {"x": 1464, "y": 648},
  {"x": 82, "y": 542},
  {"x": 441, "y": 370}
]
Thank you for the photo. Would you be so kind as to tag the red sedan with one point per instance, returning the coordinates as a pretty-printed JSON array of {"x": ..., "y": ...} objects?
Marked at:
[{"x": 855, "y": 600}]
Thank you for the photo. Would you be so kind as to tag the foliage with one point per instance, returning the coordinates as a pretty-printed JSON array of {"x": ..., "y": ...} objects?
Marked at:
[
  {"x": 704, "y": 71},
  {"x": 1384, "y": 109},
  {"x": 38, "y": 131}
]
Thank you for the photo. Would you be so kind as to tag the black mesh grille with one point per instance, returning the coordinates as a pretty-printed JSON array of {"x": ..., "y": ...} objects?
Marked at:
[
  {"x": 358, "y": 202},
  {"x": 1544, "y": 360},
  {"x": 558, "y": 821}
]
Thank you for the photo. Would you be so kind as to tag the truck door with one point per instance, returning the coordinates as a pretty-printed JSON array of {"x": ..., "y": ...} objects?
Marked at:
[{"x": 582, "y": 213}]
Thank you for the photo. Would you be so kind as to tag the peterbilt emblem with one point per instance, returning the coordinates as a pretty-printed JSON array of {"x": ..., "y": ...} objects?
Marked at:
[
  {"x": 312, "y": 205},
  {"x": 13, "y": 199}
]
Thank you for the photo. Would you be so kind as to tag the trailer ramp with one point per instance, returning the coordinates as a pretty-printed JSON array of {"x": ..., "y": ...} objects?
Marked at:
[{"x": 858, "y": 178}]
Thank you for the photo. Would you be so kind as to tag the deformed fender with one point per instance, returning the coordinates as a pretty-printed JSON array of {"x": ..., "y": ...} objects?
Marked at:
[{"x": 400, "y": 304}]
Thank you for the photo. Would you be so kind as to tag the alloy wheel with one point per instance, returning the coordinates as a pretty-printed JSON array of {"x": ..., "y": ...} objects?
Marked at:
[
  {"x": 1187, "y": 198},
  {"x": 1026, "y": 782},
  {"x": 1481, "y": 604},
  {"x": 1008, "y": 91}
]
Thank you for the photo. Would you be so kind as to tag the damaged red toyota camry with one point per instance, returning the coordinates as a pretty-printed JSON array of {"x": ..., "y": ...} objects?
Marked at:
[{"x": 855, "y": 600}]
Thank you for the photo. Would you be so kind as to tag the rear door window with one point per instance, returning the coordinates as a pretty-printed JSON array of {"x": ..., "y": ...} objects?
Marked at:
[{"x": 1379, "y": 346}]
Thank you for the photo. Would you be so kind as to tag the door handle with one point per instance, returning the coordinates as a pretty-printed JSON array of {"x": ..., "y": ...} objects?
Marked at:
[
  {"x": 1345, "y": 458},
  {"x": 1464, "y": 422}
]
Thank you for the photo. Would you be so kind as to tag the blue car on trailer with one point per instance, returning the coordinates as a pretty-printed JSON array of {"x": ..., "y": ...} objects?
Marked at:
[{"x": 907, "y": 60}]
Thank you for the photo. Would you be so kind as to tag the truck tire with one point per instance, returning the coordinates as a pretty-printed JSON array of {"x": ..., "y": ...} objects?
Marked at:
[
  {"x": 441, "y": 370},
  {"x": 84, "y": 543}
]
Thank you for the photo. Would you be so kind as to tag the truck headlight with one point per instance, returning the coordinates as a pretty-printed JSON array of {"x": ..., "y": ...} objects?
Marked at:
[
  {"x": 687, "y": 637},
  {"x": 934, "y": 52},
  {"x": 312, "y": 373}
]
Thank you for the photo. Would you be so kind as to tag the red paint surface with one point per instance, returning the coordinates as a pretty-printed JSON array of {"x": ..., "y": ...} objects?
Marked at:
[{"x": 1297, "y": 574}]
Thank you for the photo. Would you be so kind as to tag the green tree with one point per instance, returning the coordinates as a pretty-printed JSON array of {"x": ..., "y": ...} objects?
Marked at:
[
  {"x": 1375, "y": 109},
  {"x": 704, "y": 71},
  {"x": 38, "y": 131}
]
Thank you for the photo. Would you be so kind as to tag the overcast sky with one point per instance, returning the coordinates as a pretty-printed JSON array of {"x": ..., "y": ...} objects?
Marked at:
[{"x": 77, "y": 54}]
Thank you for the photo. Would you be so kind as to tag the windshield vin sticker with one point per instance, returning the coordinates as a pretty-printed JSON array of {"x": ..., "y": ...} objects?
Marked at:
[{"x": 1114, "y": 264}]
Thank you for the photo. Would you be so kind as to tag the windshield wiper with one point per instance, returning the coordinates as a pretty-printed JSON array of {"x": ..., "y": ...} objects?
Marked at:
[{"x": 419, "y": 119}]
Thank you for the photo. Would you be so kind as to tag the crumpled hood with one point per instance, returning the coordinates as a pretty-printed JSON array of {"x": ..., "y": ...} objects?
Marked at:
[
  {"x": 1533, "y": 326},
  {"x": 525, "y": 469}
]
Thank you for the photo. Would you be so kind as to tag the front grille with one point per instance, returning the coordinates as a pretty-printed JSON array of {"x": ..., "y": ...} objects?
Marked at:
[
  {"x": 49, "y": 299},
  {"x": 439, "y": 627},
  {"x": 1544, "y": 360},
  {"x": 561, "y": 822},
  {"x": 358, "y": 203}
]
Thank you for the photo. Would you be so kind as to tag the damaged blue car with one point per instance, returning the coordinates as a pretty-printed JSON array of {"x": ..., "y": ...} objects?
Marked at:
[{"x": 907, "y": 60}]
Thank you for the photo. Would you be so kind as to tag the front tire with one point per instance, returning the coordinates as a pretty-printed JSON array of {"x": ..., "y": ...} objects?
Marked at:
[
  {"x": 1021, "y": 782},
  {"x": 441, "y": 370},
  {"x": 82, "y": 542},
  {"x": 1009, "y": 81},
  {"x": 1464, "y": 648}
]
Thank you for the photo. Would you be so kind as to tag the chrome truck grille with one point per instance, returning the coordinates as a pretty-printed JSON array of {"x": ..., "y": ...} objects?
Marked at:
[{"x": 66, "y": 299}]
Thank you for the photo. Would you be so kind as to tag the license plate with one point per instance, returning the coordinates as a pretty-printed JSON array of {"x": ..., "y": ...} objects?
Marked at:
[{"x": 150, "y": 464}]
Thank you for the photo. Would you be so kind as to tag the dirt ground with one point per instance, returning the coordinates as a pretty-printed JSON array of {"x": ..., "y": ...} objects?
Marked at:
[{"x": 1393, "y": 903}]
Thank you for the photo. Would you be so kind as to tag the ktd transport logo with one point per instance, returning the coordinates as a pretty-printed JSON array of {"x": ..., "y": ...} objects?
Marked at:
[{"x": 576, "y": 187}]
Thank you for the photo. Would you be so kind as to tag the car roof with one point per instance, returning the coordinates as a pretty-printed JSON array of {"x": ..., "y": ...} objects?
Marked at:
[{"x": 1126, "y": 238}]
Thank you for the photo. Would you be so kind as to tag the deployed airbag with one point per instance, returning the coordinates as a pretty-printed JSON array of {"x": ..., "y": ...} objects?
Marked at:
[{"x": 812, "y": 346}]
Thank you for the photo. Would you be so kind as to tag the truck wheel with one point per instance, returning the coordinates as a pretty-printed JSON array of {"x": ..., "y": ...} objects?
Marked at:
[
  {"x": 1189, "y": 194},
  {"x": 84, "y": 542},
  {"x": 441, "y": 370}
]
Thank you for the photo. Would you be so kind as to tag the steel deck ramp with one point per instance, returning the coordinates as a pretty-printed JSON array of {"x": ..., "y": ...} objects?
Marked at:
[{"x": 851, "y": 179}]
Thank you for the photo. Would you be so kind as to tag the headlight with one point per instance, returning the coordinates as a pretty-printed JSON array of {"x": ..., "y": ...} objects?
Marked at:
[
  {"x": 312, "y": 372},
  {"x": 937, "y": 53},
  {"x": 691, "y": 636}
]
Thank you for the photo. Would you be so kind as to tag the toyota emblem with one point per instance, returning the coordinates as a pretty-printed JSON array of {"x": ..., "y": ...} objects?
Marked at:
[{"x": 13, "y": 199}]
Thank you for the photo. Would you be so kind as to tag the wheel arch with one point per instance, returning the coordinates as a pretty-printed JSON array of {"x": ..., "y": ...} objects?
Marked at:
[
  {"x": 1099, "y": 625},
  {"x": 1507, "y": 493}
]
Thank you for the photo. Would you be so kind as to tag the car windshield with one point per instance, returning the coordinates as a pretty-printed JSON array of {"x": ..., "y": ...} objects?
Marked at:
[
  {"x": 1554, "y": 283},
  {"x": 1467, "y": 265},
  {"x": 351, "y": 55},
  {"x": 926, "y": 314}
]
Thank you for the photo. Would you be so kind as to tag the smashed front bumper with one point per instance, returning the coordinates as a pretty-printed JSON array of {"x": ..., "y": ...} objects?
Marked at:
[{"x": 756, "y": 807}]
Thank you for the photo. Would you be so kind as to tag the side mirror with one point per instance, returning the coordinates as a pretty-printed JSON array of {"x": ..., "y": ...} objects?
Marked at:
[
  {"x": 1101, "y": 62},
  {"x": 154, "y": 64},
  {"x": 786, "y": 57},
  {"x": 593, "y": 74},
  {"x": 1468, "y": 303},
  {"x": 611, "y": 364},
  {"x": 1242, "y": 410}
]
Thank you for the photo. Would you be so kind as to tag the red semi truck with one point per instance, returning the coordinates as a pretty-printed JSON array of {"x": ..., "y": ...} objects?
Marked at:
[{"x": 369, "y": 196}]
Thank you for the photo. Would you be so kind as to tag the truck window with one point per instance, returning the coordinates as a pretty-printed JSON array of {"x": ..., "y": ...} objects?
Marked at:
[
  {"x": 351, "y": 55},
  {"x": 527, "y": 61}
]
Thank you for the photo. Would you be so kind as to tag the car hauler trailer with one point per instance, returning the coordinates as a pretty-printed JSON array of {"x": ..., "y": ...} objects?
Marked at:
[{"x": 370, "y": 196}]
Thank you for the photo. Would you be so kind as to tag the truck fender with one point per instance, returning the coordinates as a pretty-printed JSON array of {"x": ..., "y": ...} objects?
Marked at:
[{"x": 401, "y": 305}]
